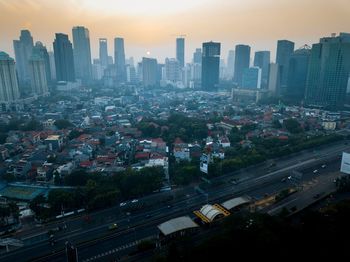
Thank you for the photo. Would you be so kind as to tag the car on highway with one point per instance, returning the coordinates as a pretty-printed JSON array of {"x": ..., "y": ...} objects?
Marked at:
[
  {"x": 284, "y": 179},
  {"x": 122, "y": 204},
  {"x": 324, "y": 166},
  {"x": 134, "y": 201},
  {"x": 315, "y": 171},
  {"x": 112, "y": 226}
]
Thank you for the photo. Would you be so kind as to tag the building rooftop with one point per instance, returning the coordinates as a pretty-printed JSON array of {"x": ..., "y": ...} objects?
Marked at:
[
  {"x": 177, "y": 224},
  {"x": 5, "y": 57},
  {"x": 235, "y": 202},
  {"x": 53, "y": 137}
]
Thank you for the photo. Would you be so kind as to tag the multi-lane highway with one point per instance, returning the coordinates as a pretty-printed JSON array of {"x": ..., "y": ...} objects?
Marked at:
[{"x": 96, "y": 242}]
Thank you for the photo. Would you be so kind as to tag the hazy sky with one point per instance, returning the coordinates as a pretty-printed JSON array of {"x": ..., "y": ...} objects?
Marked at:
[{"x": 152, "y": 25}]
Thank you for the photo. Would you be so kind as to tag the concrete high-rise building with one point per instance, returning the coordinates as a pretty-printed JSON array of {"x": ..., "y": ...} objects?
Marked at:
[
  {"x": 52, "y": 65},
  {"x": 285, "y": 49},
  {"x": 97, "y": 70},
  {"x": 262, "y": 60},
  {"x": 251, "y": 78},
  {"x": 110, "y": 60},
  {"x": 230, "y": 64},
  {"x": 274, "y": 79},
  {"x": 172, "y": 70},
  {"x": 149, "y": 72},
  {"x": 82, "y": 54},
  {"x": 328, "y": 72},
  {"x": 119, "y": 59},
  {"x": 210, "y": 65},
  {"x": 23, "y": 50},
  {"x": 131, "y": 76},
  {"x": 64, "y": 60},
  {"x": 9, "y": 91},
  {"x": 40, "y": 50},
  {"x": 38, "y": 75},
  {"x": 187, "y": 81},
  {"x": 197, "y": 56},
  {"x": 130, "y": 61},
  {"x": 222, "y": 69},
  {"x": 196, "y": 73},
  {"x": 160, "y": 72},
  {"x": 242, "y": 61},
  {"x": 297, "y": 74},
  {"x": 180, "y": 51},
  {"x": 103, "y": 52}
]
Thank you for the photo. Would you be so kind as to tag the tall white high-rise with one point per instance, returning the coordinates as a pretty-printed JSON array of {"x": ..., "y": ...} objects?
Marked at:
[
  {"x": 172, "y": 70},
  {"x": 38, "y": 78},
  {"x": 149, "y": 72},
  {"x": 274, "y": 79},
  {"x": 9, "y": 91},
  {"x": 23, "y": 50},
  {"x": 230, "y": 69}
]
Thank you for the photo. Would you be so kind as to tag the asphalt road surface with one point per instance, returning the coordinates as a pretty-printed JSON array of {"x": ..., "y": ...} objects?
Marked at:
[{"x": 96, "y": 242}]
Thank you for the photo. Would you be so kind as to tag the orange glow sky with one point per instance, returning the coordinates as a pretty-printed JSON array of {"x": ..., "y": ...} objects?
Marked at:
[{"x": 152, "y": 25}]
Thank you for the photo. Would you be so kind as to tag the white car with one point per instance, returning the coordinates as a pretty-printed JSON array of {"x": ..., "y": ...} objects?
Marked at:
[
  {"x": 324, "y": 166},
  {"x": 134, "y": 201},
  {"x": 122, "y": 204},
  {"x": 315, "y": 171}
]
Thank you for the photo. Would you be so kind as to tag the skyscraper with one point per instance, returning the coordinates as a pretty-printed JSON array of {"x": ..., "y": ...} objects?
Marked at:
[
  {"x": 52, "y": 65},
  {"x": 262, "y": 60},
  {"x": 328, "y": 72},
  {"x": 197, "y": 56},
  {"x": 64, "y": 61},
  {"x": 38, "y": 75},
  {"x": 242, "y": 61},
  {"x": 274, "y": 79},
  {"x": 103, "y": 52},
  {"x": 172, "y": 70},
  {"x": 285, "y": 49},
  {"x": 230, "y": 64},
  {"x": 297, "y": 73},
  {"x": 9, "y": 91},
  {"x": 23, "y": 50},
  {"x": 41, "y": 51},
  {"x": 149, "y": 72},
  {"x": 251, "y": 78},
  {"x": 210, "y": 65},
  {"x": 119, "y": 59},
  {"x": 82, "y": 54},
  {"x": 180, "y": 51}
]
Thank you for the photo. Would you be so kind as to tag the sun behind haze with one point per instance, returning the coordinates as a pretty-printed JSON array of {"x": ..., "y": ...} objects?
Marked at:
[{"x": 152, "y": 25}]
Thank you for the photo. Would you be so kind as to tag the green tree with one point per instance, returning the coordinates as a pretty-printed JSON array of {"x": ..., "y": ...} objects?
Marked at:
[
  {"x": 276, "y": 124},
  {"x": 292, "y": 125},
  {"x": 63, "y": 124},
  {"x": 3, "y": 137},
  {"x": 77, "y": 178},
  {"x": 37, "y": 205}
]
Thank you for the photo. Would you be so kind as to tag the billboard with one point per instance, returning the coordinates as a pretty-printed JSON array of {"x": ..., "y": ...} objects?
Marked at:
[
  {"x": 204, "y": 161},
  {"x": 345, "y": 163}
]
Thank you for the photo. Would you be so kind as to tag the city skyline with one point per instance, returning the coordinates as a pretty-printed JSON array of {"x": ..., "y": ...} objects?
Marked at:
[{"x": 154, "y": 30}]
